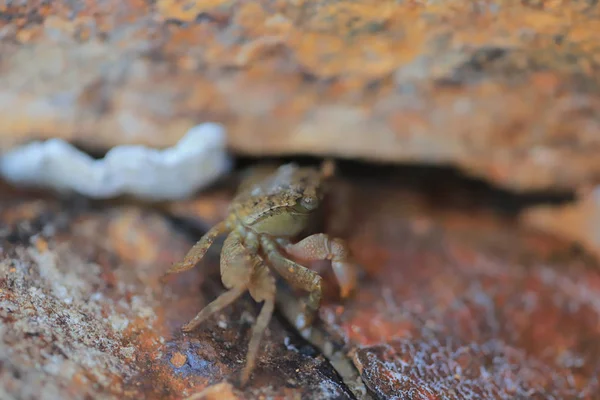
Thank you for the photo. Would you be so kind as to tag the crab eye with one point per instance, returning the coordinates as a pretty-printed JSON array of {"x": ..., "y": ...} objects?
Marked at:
[{"x": 309, "y": 202}]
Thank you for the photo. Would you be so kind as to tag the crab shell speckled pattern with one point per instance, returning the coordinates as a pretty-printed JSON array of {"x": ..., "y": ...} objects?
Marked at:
[{"x": 280, "y": 195}]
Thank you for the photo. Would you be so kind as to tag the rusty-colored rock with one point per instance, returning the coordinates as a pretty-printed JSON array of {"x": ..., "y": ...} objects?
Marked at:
[
  {"x": 460, "y": 304},
  {"x": 506, "y": 90},
  {"x": 83, "y": 313},
  {"x": 456, "y": 300},
  {"x": 178, "y": 360}
]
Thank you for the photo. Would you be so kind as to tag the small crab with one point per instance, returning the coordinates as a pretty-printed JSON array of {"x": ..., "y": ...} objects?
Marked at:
[{"x": 263, "y": 218}]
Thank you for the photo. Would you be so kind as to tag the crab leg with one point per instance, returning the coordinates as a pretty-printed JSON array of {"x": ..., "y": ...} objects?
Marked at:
[
  {"x": 214, "y": 307},
  {"x": 298, "y": 276},
  {"x": 236, "y": 269},
  {"x": 257, "y": 332},
  {"x": 199, "y": 250},
  {"x": 322, "y": 247},
  {"x": 262, "y": 287},
  {"x": 237, "y": 262}
]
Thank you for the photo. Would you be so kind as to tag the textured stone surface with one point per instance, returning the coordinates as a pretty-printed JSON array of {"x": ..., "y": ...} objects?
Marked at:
[
  {"x": 458, "y": 300},
  {"x": 506, "y": 90},
  {"x": 83, "y": 314},
  {"x": 461, "y": 304}
]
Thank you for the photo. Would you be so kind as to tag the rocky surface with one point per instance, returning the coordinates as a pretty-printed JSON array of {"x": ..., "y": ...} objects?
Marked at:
[
  {"x": 506, "y": 90},
  {"x": 84, "y": 315},
  {"x": 460, "y": 298},
  {"x": 457, "y": 301},
  {"x": 466, "y": 305}
]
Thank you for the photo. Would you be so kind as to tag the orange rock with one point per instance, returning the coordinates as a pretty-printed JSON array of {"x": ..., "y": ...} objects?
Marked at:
[
  {"x": 484, "y": 86},
  {"x": 178, "y": 359}
]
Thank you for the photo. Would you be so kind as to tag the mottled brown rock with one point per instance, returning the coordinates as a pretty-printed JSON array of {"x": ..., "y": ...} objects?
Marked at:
[
  {"x": 83, "y": 314},
  {"x": 458, "y": 303},
  {"x": 506, "y": 90},
  {"x": 178, "y": 360},
  {"x": 458, "y": 300}
]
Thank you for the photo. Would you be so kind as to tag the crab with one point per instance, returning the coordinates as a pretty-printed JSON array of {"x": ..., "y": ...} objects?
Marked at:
[{"x": 264, "y": 217}]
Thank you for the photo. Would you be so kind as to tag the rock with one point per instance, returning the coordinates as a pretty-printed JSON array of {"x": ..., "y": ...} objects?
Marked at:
[
  {"x": 457, "y": 299},
  {"x": 83, "y": 313},
  {"x": 459, "y": 303},
  {"x": 505, "y": 91}
]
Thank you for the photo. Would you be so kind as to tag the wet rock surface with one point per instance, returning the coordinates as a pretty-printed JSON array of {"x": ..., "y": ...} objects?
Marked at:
[{"x": 505, "y": 90}]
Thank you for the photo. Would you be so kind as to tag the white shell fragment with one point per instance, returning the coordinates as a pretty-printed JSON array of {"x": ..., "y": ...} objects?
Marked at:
[{"x": 197, "y": 160}]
